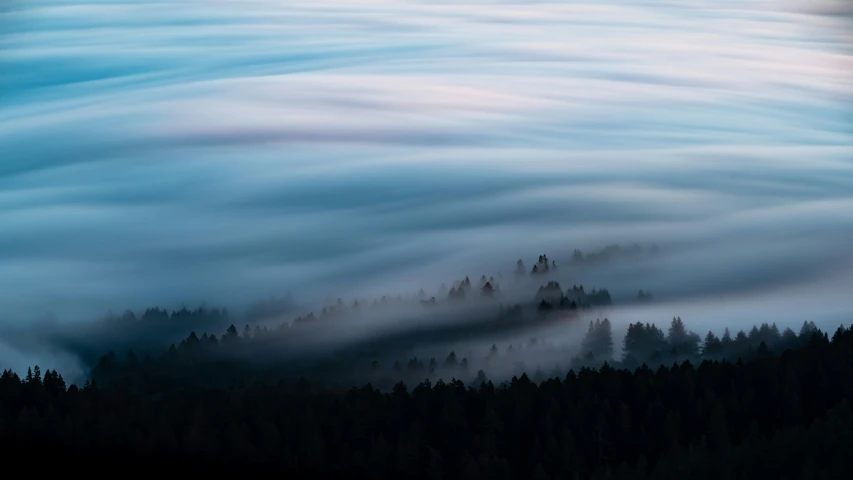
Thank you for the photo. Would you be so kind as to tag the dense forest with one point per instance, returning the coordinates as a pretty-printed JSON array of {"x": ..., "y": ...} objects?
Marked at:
[
  {"x": 658, "y": 403},
  {"x": 784, "y": 415},
  {"x": 238, "y": 360}
]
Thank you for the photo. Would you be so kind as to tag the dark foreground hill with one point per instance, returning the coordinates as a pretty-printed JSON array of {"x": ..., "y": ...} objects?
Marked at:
[{"x": 781, "y": 416}]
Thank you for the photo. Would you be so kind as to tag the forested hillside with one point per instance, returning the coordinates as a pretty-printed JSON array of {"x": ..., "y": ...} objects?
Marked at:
[
  {"x": 659, "y": 402},
  {"x": 780, "y": 415}
]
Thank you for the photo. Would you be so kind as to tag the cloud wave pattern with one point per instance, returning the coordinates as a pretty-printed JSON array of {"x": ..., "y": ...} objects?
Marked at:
[{"x": 180, "y": 152}]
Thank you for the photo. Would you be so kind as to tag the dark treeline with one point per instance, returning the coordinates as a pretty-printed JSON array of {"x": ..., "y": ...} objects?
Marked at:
[
  {"x": 551, "y": 296},
  {"x": 230, "y": 361},
  {"x": 146, "y": 331},
  {"x": 647, "y": 343},
  {"x": 783, "y": 416},
  {"x": 273, "y": 351}
]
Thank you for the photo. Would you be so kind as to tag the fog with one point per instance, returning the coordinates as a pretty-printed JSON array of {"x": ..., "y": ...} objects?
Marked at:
[{"x": 183, "y": 153}]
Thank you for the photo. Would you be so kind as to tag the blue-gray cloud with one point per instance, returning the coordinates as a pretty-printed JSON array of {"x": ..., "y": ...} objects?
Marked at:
[{"x": 179, "y": 152}]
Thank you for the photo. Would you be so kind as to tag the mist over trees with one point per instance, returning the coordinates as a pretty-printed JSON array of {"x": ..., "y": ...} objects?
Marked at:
[
  {"x": 495, "y": 295},
  {"x": 264, "y": 345},
  {"x": 416, "y": 240},
  {"x": 716, "y": 419},
  {"x": 232, "y": 360},
  {"x": 263, "y": 391}
]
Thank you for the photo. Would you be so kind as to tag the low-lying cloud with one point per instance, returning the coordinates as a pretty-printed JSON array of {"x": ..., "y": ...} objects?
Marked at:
[{"x": 159, "y": 154}]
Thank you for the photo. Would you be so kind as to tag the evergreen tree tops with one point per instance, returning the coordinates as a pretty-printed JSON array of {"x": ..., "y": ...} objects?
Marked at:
[
  {"x": 543, "y": 266},
  {"x": 783, "y": 416},
  {"x": 598, "y": 341},
  {"x": 643, "y": 343}
]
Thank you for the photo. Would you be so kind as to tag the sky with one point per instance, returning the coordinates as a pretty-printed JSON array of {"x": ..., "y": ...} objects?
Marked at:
[{"x": 186, "y": 152}]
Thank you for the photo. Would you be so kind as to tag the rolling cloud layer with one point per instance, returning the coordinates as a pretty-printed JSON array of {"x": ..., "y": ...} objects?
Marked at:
[{"x": 222, "y": 151}]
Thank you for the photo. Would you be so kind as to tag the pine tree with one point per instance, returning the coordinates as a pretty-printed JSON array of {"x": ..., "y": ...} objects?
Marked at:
[
  {"x": 606, "y": 338},
  {"x": 231, "y": 335}
]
